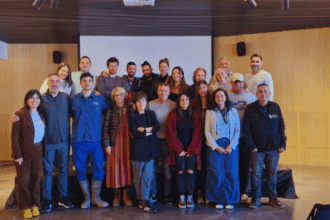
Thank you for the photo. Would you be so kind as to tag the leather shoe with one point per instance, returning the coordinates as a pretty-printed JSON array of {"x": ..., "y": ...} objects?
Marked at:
[
  {"x": 255, "y": 203},
  {"x": 276, "y": 203}
]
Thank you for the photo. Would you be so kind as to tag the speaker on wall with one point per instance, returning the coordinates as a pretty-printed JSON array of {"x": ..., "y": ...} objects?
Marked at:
[
  {"x": 241, "y": 49},
  {"x": 57, "y": 56}
]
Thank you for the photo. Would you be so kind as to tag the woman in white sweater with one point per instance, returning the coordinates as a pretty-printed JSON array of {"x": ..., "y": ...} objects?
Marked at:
[
  {"x": 67, "y": 85},
  {"x": 222, "y": 130}
]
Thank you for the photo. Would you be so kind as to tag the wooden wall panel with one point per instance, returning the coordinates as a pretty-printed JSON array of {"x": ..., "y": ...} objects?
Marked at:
[
  {"x": 26, "y": 68},
  {"x": 299, "y": 64}
]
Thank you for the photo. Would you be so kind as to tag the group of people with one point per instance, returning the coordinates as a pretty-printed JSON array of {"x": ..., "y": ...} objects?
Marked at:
[{"x": 217, "y": 130}]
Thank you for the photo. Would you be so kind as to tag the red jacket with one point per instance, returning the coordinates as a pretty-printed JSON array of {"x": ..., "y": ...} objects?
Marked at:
[{"x": 176, "y": 145}]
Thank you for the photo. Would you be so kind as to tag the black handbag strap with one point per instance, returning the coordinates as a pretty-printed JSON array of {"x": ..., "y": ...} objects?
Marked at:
[{"x": 311, "y": 215}]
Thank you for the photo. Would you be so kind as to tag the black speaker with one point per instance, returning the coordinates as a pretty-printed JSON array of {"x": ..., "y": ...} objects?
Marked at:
[
  {"x": 241, "y": 49},
  {"x": 57, "y": 56}
]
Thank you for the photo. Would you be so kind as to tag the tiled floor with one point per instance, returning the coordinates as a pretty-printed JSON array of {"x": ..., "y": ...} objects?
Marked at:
[{"x": 312, "y": 186}]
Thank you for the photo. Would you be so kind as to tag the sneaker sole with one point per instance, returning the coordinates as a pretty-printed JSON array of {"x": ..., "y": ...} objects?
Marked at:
[
  {"x": 182, "y": 207},
  {"x": 190, "y": 206},
  {"x": 64, "y": 206}
]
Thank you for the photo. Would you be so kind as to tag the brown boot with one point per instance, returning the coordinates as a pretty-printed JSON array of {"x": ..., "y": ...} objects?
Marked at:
[
  {"x": 127, "y": 200},
  {"x": 116, "y": 199}
]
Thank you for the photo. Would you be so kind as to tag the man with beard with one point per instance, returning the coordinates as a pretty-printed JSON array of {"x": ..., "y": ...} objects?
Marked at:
[
  {"x": 258, "y": 76},
  {"x": 146, "y": 79},
  {"x": 105, "y": 85},
  {"x": 86, "y": 109},
  {"x": 130, "y": 79}
]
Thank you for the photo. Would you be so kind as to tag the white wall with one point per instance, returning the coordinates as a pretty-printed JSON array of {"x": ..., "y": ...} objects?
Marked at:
[{"x": 187, "y": 52}]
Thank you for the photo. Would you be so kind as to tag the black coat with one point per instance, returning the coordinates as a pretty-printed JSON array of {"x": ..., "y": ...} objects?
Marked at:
[
  {"x": 257, "y": 128},
  {"x": 143, "y": 148}
]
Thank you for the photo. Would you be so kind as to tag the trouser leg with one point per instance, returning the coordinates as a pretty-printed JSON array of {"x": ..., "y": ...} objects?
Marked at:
[
  {"x": 137, "y": 173},
  {"x": 63, "y": 164},
  {"x": 48, "y": 170},
  {"x": 36, "y": 169},
  {"x": 271, "y": 163},
  {"x": 257, "y": 161},
  {"x": 96, "y": 157},
  {"x": 244, "y": 166},
  {"x": 147, "y": 171},
  {"x": 23, "y": 185},
  {"x": 79, "y": 156}
]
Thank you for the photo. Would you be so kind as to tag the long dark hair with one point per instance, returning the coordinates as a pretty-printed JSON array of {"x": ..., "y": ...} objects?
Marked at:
[
  {"x": 31, "y": 93},
  {"x": 178, "y": 109},
  {"x": 227, "y": 102},
  {"x": 197, "y": 101},
  {"x": 183, "y": 84},
  {"x": 69, "y": 77}
]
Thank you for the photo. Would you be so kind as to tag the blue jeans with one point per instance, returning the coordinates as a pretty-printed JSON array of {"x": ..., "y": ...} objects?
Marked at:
[
  {"x": 80, "y": 152},
  {"x": 270, "y": 158},
  {"x": 142, "y": 172},
  {"x": 165, "y": 151},
  {"x": 62, "y": 156}
]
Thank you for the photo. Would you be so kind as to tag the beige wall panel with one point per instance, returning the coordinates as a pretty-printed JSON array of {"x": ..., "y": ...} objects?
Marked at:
[
  {"x": 299, "y": 64},
  {"x": 26, "y": 68}
]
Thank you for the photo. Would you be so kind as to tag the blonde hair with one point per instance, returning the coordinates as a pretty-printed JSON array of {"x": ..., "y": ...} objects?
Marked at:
[
  {"x": 195, "y": 72},
  {"x": 118, "y": 89}
]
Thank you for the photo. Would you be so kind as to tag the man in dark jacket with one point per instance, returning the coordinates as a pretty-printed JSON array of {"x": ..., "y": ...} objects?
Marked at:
[
  {"x": 264, "y": 133},
  {"x": 130, "y": 79},
  {"x": 147, "y": 79}
]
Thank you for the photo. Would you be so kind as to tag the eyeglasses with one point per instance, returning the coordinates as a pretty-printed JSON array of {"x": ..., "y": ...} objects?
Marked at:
[{"x": 120, "y": 95}]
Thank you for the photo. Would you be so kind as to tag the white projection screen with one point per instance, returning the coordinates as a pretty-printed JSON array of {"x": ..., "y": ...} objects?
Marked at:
[{"x": 187, "y": 52}]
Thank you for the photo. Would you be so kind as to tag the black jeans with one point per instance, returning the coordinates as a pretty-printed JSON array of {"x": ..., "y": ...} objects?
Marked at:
[
  {"x": 185, "y": 180},
  {"x": 244, "y": 166}
]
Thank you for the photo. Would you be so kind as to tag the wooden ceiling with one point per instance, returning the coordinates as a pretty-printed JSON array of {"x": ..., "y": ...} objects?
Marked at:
[{"x": 20, "y": 22}]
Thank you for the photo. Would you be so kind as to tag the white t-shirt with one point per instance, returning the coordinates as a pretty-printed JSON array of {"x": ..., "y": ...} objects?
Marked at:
[
  {"x": 254, "y": 80},
  {"x": 76, "y": 80}
]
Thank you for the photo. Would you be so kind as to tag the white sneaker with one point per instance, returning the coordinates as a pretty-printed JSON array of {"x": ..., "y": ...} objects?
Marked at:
[
  {"x": 244, "y": 198},
  {"x": 230, "y": 207},
  {"x": 219, "y": 206}
]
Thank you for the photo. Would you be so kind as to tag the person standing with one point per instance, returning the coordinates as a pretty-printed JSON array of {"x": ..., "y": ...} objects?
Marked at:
[
  {"x": 28, "y": 143},
  {"x": 147, "y": 79},
  {"x": 220, "y": 80},
  {"x": 162, "y": 106},
  {"x": 130, "y": 78},
  {"x": 85, "y": 64},
  {"x": 86, "y": 109},
  {"x": 177, "y": 83},
  {"x": 264, "y": 133},
  {"x": 258, "y": 76},
  {"x": 144, "y": 149},
  {"x": 164, "y": 67},
  {"x": 201, "y": 103},
  {"x": 117, "y": 146},
  {"x": 199, "y": 75},
  {"x": 239, "y": 100},
  {"x": 184, "y": 136},
  {"x": 222, "y": 130},
  {"x": 66, "y": 83},
  {"x": 56, "y": 111},
  {"x": 105, "y": 85}
]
